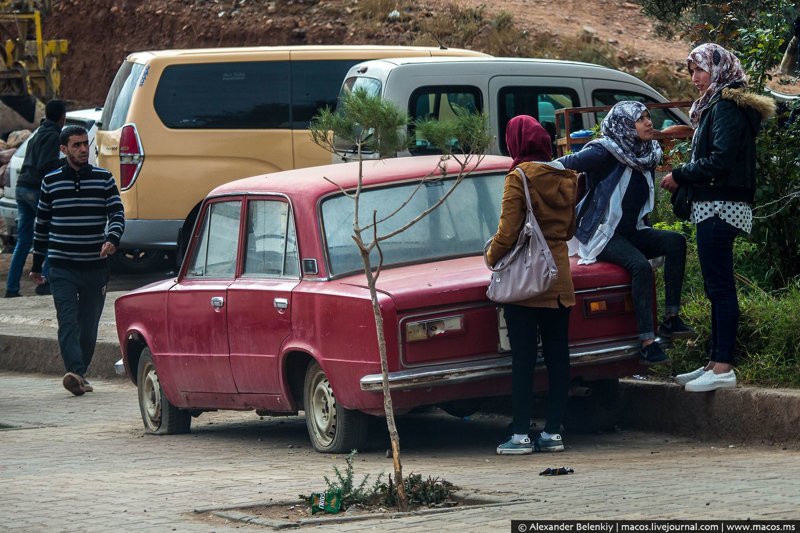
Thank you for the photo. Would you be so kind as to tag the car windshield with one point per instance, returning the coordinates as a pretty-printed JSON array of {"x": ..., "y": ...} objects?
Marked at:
[{"x": 459, "y": 227}]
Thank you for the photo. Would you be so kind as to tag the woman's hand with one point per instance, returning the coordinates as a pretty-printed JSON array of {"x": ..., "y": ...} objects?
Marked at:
[{"x": 668, "y": 183}]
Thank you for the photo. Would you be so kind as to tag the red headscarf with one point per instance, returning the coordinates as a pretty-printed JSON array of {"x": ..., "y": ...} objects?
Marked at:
[{"x": 527, "y": 140}]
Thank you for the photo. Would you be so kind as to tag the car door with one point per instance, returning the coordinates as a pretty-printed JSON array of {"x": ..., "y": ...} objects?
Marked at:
[
  {"x": 260, "y": 299},
  {"x": 197, "y": 311}
]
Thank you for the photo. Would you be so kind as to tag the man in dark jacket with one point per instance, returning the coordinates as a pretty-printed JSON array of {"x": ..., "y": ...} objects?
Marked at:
[
  {"x": 41, "y": 157},
  {"x": 79, "y": 222}
]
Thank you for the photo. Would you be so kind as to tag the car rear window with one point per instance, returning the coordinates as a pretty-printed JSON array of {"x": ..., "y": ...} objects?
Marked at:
[
  {"x": 241, "y": 95},
  {"x": 459, "y": 227},
  {"x": 115, "y": 110}
]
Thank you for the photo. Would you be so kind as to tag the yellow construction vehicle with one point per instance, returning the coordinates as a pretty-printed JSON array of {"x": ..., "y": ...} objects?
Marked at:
[{"x": 28, "y": 63}]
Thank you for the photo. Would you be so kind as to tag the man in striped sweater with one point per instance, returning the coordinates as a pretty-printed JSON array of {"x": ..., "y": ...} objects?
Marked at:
[{"x": 79, "y": 222}]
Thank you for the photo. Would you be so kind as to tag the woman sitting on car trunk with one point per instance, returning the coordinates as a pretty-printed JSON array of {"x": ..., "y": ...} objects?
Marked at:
[{"x": 612, "y": 224}]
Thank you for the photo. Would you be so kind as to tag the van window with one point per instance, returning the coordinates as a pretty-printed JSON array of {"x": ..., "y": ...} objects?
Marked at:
[
  {"x": 115, "y": 110},
  {"x": 271, "y": 241},
  {"x": 539, "y": 102},
  {"x": 246, "y": 95},
  {"x": 370, "y": 85},
  {"x": 314, "y": 86},
  {"x": 438, "y": 103},
  {"x": 661, "y": 117}
]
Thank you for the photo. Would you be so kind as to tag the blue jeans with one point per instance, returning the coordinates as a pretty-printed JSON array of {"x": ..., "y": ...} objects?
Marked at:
[
  {"x": 525, "y": 324},
  {"x": 632, "y": 254},
  {"x": 79, "y": 296},
  {"x": 715, "y": 254},
  {"x": 27, "y": 200}
]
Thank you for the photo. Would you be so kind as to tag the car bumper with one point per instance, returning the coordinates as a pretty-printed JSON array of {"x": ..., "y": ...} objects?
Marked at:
[
  {"x": 8, "y": 212},
  {"x": 453, "y": 374},
  {"x": 151, "y": 234}
]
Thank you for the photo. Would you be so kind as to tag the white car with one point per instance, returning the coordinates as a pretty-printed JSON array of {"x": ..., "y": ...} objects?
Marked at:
[{"x": 86, "y": 118}]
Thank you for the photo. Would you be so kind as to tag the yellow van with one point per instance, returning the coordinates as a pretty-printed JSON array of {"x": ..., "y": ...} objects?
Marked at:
[{"x": 178, "y": 123}]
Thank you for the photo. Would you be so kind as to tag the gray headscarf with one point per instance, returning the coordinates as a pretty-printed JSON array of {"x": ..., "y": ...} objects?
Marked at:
[{"x": 621, "y": 139}]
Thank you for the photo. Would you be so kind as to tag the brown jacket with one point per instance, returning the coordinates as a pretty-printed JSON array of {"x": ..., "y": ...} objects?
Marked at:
[{"x": 553, "y": 199}]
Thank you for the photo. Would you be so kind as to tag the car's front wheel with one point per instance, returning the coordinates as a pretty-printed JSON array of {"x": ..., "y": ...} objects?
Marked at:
[
  {"x": 331, "y": 427},
  {"x": 160, "y": 417}
]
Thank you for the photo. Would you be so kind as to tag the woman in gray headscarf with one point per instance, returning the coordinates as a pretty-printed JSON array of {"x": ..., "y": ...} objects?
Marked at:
[
  {"x": 722, "y": 177},
  {"x": 612, "y": 222}
]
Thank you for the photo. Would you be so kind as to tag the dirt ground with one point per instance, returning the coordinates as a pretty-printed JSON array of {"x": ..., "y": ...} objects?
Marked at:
[{"x": 101, "y": 37}]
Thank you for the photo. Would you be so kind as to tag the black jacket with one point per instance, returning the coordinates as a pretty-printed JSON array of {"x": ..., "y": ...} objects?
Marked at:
[
  {"x": 723, "y": 165},
  {"x": 41, "y": 156}
]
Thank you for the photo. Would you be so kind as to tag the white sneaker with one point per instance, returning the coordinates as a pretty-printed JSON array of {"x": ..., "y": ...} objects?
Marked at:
[
  {"x": 683, "y": 379},
  {"x": 711, "y": 381}
]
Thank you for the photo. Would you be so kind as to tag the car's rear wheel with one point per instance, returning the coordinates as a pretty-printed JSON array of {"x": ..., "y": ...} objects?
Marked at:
[
  {"x": 596, "y": 412},
  {"x": 137, "y": 260},
  {"x": 160, "y": 417},
  {"x": 331, "y": 427}
]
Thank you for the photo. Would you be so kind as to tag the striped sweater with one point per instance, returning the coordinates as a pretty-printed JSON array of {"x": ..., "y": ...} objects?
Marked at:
[{"x": 78, "y": 211}]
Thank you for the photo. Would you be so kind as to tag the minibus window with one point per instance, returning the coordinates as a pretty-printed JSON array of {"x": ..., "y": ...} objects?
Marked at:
[
  {"x": 115, "y": 111},
  {"x": 244, "y": 95}
]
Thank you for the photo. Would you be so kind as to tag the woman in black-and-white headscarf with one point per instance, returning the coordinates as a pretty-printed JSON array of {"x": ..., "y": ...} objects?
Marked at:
[
  {"x": 722, "y": 178},
  {"x": 611, "y": 220}
]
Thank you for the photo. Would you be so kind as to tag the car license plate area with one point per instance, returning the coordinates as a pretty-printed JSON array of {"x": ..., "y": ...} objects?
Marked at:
[{"x": 452, "y": 334}]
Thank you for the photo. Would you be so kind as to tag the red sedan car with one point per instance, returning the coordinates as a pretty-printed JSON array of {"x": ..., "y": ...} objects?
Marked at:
[{"x": 270, "y": 310}]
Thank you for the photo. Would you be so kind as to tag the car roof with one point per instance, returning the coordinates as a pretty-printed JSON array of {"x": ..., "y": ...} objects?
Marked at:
[
  {"x": 144, "y": 55},
  {"x": 312, "y": 181},
  {"x": 488, "y": 66},
  {"x": 90, "y": 113}
]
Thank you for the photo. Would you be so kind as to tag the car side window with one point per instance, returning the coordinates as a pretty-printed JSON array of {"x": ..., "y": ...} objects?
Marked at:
[
  {"x": 216, "y": 248},
  {"x": 271, "y": 246},
  {"x": 439, "y": 103},
  {"x": 539, "y": 102},
  {"x": 661, "y": 117}
]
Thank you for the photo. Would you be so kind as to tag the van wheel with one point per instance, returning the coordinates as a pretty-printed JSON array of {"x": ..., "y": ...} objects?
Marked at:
[
  {"x": 137, "y": 260},
  {"x": 159, "y": 416},
  {"x": 331, "y": 427},
  {"x": 597, "y": 412}
]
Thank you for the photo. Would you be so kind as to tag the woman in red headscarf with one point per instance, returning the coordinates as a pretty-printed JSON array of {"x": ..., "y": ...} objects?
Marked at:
[{"x": 553, "y": 192}]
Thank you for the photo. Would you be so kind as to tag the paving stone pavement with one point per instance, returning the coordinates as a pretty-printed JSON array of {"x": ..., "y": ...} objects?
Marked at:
[{"x": 83, "y": 463}]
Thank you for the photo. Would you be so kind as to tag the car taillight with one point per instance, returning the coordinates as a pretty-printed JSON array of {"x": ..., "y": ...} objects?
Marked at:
[
  {"x": 131, "y": 156},
  {"x": 611, "y": 305}
]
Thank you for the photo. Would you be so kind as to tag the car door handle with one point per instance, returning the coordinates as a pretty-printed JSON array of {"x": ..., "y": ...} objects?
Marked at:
[
  {"x": 217, "y": 302},
  {"x": 280, "y": 303}
]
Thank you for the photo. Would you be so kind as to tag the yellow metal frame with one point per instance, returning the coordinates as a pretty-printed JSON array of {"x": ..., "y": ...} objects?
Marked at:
[{"x": 29, "y": 57}]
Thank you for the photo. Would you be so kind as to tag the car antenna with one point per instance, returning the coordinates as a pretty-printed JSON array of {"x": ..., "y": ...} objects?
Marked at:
[{"x": 441, "y": 44}]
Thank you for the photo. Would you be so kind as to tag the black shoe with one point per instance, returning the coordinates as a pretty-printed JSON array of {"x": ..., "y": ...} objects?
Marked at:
[
  {"x": 652, "y": 354},
  {"x": 675, "y": 328},
  {"x": 43, "y": 289},
  {"x": 12, "y": 294}
]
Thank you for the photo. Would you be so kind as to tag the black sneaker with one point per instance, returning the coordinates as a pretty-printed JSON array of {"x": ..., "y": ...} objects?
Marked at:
[
  {"x": 652, "y": 354},
  {"x": 675, "y": 328},
  {"x": 43, "y": 289},
  {"x": 12, "y": 294}
]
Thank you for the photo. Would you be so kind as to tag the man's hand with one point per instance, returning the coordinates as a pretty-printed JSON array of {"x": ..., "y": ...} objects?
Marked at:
[
  {"x": 107, "y": 249},
  {"x": 37, "y": 278},
  {"x": 669, "y": 183}
]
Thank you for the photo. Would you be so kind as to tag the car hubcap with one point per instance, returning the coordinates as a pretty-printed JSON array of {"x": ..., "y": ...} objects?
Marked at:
[
  {"x": 151, "y": 398},
  {"x": 323, "y": 406}
]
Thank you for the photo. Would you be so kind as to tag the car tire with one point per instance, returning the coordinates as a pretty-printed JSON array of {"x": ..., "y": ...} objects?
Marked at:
[
  {"x": 597, "y": 412},
  {"x": 160, "y": 417},
  {"x": 331, "y": 427},
  {"x": 137, "y": 261},
  {"x": 462, "y": 408}
]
